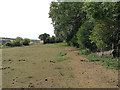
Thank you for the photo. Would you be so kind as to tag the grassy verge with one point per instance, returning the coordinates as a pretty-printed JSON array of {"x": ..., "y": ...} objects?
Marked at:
[{"x": 106, "y": 61}]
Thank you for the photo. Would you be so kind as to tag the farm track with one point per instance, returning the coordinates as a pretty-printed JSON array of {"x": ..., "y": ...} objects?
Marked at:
[
  {"x": 90, "y": 75},
  {"x": 36, "y": 67}
]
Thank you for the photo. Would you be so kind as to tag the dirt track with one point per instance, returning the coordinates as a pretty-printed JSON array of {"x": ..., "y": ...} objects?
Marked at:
[{"x": 88, "y": 74}]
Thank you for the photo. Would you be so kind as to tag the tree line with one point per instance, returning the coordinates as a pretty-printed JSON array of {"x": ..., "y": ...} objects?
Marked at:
[
  {"x": 47, "y": 39},
  {"x": 91, "y": 25},
  {"x": 18, "y": 42}
]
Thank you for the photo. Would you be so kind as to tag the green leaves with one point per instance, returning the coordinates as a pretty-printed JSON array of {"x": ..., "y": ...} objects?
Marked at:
[{"x": 70, "y": 21}]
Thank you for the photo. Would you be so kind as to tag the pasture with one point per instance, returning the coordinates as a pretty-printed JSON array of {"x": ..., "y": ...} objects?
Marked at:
[{"x": 53, "y": 66}]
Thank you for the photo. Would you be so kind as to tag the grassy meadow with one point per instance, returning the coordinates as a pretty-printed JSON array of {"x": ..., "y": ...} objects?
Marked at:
[{"x": 52, "y": 66}]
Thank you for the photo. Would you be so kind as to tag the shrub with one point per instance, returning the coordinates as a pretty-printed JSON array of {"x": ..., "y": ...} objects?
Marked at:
[
  {"x": 18, "y": 41},
  {"x": 26, "y": 42},
  {"x": 83, "y": 36},
  {"x": 9, "y": 44}
]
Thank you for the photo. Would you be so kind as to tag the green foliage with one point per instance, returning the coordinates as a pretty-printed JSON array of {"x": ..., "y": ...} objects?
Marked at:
[
  {"x": 105, "y": 32},
  {"x": 9, "y": 44},
  {"x": 66, "y": 19},
  {"x": 87, "y": 24},
  {"x": 61, "y": 73},
  {"x": 44, "y": 37},
  {"x": 47, "y": 39},
  {"x": 84, "y": 52},
  {"x": 17, "y": 42},
  {"x": 83, "y": 35},
  {"x": 62, "y": 58},
  {"x": 26, "y": 42},
  {"x": 97, "y": 36},
  {"x": 107, "y": 61}
]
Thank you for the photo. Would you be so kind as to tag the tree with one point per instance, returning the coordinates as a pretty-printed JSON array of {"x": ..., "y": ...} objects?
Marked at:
[
  {"x": 106, "y": 30},
  {"x": 70, "y": 23},
  {"x": 18, "y": 41},
  {"x": 44, "y": 37},
  {"x": 83, "y": 35},
  {"x": 52, "y": 39},
  {"x": 26, "y": 42},
  {"x": 66, "y": 19}
]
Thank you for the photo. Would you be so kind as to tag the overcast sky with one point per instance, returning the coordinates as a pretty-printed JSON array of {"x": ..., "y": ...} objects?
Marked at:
[{"x": 25, "y": 18}]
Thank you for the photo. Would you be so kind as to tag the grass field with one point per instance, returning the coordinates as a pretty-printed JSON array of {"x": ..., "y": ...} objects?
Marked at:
[{"x": 53, "y": 66}]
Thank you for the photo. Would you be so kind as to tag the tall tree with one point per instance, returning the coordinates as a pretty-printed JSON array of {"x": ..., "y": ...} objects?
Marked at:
[
  {"x": 44, "y": 37},
  {"x": 66, "y": 19}
]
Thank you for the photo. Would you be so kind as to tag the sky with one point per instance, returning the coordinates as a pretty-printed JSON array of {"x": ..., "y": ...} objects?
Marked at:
[{"x": 25, "y": 18}]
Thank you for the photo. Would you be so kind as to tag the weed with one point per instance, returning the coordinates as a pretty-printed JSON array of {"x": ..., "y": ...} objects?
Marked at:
[
  {"x": 62, "y": 53},
  {"x": 61, "y": 73},
  {"x": 62, "y": 58}
]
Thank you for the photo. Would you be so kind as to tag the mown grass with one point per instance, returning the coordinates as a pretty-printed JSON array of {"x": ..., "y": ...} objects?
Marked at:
[{"x": 106, "y": 61}]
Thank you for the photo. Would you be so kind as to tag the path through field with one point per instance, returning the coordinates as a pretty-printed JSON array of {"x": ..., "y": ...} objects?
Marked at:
[{"x": 36, "y": 67}]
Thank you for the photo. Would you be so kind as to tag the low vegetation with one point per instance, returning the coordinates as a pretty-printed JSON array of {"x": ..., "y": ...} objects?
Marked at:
[
  {"x": 62, "y": 56},
  {"x": 84, "y": 52},
  {"x": 47, "y": 39},
  {"x": 105, "y": 60},
  {"x": 58, "y": 67},
  {"x": 17, "y": 42},
  {"x": 27, "y": 67},
  {"x": 61, "y": 73}
]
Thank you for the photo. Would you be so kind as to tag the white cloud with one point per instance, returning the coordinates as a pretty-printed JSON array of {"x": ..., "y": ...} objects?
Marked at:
[{"x": 25, "y": 18}]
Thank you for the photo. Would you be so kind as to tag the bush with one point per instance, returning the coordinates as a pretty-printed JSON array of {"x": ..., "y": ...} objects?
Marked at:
[
  {"x": 26, "y": 42},
  {"x": 9, "y": 44},
  {"x": 83, "y": 36},
  {"x": 18, "y": 42}
]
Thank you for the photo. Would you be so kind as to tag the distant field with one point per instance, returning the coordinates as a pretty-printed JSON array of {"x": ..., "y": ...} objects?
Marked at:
[{"x": 53, "y": 66}]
